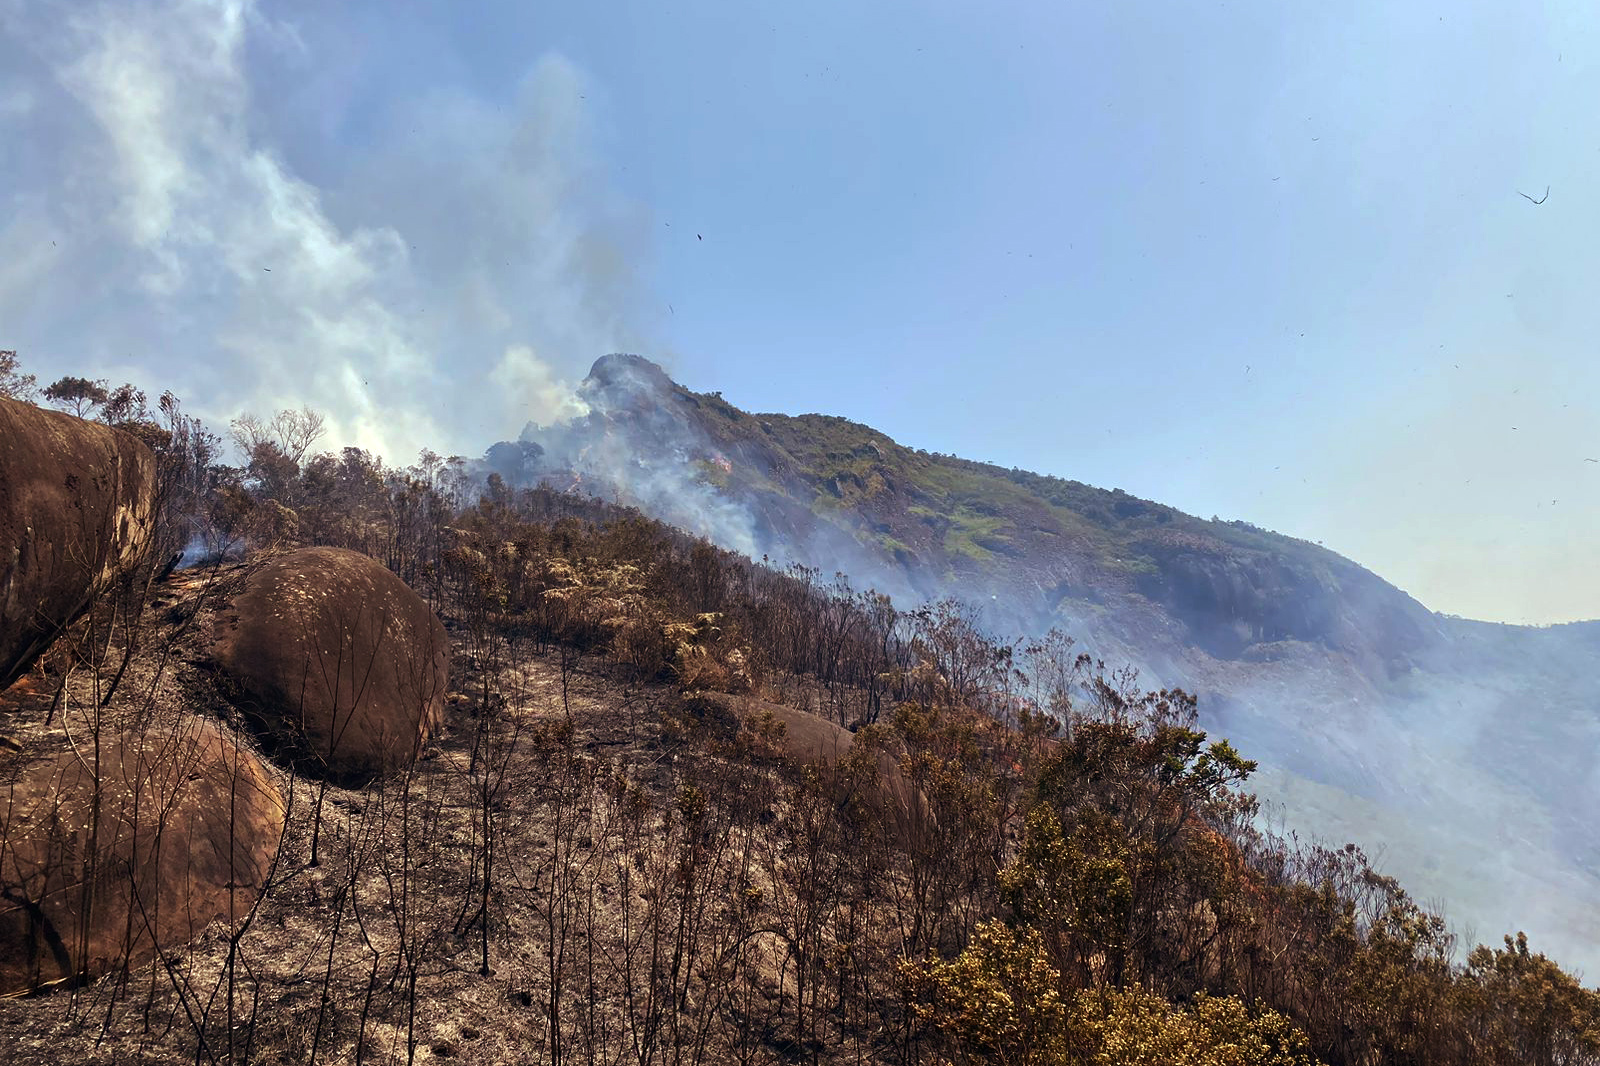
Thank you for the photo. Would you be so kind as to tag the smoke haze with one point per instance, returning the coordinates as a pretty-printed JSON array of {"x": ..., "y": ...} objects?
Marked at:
[{"x": 159, "y": 232}]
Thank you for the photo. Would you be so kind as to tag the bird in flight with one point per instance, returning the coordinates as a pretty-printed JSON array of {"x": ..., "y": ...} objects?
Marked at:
[{"x": 1531, "y": 200}]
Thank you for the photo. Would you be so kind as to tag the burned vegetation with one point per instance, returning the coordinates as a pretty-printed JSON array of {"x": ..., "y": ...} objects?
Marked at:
[{"x": 399, "y": 767}]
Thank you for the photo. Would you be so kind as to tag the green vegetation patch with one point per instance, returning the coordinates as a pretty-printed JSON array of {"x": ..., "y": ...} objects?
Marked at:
[{"x": 975, "y": 535}]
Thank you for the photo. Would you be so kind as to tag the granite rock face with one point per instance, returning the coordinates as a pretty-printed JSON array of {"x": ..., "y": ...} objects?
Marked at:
[
  {"x": 111, "y": 850},
  {"x": 343, "y": 666},
  {"x": 804, "y": 738},
  {"x": 77, "y": 508}
]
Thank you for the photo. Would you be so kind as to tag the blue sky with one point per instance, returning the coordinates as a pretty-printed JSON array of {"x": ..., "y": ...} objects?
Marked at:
[{"x": 1257, "y": 260}]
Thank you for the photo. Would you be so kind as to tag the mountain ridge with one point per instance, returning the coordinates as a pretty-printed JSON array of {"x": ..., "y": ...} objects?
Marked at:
[
  {"x": 1382, "y": 719},
  {"x": 1061, "y": 549}
]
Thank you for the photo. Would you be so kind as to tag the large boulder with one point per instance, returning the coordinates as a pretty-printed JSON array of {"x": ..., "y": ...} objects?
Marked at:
[
  {"x": 77, "y": 508},
  {"x": 803, "y": 738},
  {"x": 111, "y": 850},
  {"x": 339, "y": 661}
]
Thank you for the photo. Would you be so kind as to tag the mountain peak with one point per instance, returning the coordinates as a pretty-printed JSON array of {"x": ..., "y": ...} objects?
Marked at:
[{"x": 626, "y": 369}]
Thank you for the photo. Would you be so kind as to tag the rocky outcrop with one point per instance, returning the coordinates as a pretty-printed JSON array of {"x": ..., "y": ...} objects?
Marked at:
[
  {"x": 77, "y": 508},
  {"x": 808, "y": 739},
  {"x": 342, "y": 665},
  {"x": 111, "y": 850},
  {"x": 1232, "y": 598}
]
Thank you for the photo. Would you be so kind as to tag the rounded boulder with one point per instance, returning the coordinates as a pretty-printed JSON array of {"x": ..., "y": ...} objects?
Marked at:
[
  {"x": 803, "y": 739},
  {"x": 340, "y": 663},
  {"x": 77, "y": 509},
  {"x": 111, "y": 850}
]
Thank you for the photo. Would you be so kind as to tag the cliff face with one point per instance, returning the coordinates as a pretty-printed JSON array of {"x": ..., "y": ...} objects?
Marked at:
[
  {"x": 1232, "y": 598},
  {"x": 77, "y": 508}
]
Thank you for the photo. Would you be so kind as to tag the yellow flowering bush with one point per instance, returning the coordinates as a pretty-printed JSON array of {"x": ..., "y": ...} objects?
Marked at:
[
  {"x": 1001, "y": 1002},
  {"x": 998, "y": 1002},
  {"x": 1138, "y": 1028}
]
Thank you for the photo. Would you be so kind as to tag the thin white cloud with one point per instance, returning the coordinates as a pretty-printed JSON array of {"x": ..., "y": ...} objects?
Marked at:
[{"x": 15, "y": 101}]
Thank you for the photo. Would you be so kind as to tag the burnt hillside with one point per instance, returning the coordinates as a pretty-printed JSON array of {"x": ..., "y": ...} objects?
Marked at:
[
  {"x": 675, "y": 806},
  {"x": 1373, "y": 717}
]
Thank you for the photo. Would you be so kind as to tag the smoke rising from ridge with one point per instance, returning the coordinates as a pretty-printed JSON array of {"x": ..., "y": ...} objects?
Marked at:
[{"x": 161, "y": 231}]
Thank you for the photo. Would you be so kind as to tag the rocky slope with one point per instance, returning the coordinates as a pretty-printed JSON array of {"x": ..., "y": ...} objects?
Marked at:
[{"x": 133, "y": 817}]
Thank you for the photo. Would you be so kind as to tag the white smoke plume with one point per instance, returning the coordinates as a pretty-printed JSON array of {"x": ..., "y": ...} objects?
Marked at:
[
  {"x": 527, "y": 384},
  {"x": 161, "y": 231}
]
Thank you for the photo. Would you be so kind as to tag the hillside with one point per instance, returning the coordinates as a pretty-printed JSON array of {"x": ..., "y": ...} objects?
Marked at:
[
  {"x": 402, "y": 768},
  {"x": 1042, "y": 550},
  {"x": 1376, "y": 718}
]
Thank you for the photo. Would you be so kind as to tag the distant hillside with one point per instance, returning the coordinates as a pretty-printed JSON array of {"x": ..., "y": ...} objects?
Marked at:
[
  {"x": 1386, "y": 721},
  {"x": 1045, "y": 550}
]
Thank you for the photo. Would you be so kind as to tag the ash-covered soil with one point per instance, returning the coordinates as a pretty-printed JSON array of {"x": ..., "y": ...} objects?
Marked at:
[{"x": 567, "y": 873}]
